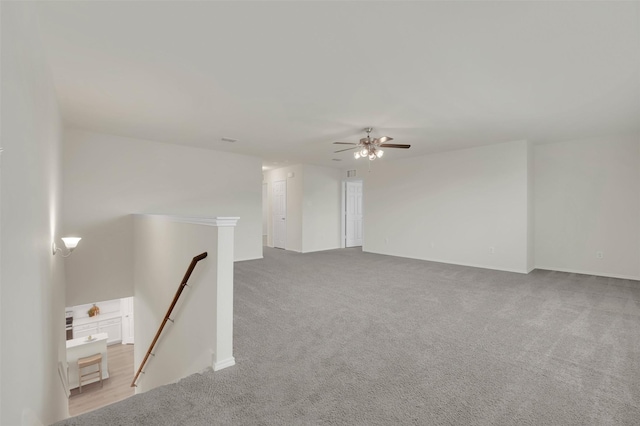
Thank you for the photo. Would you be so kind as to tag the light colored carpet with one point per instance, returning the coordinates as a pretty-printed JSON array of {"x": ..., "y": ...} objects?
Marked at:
[{"x": 345, "y": 337}]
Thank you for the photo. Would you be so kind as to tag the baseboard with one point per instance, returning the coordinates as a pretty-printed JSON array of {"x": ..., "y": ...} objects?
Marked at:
[
  {"x": 597, "y": 274},
  {"x": 280, "y": 248},
  {"x": 229, "y": 362},
  {"x": 248, "y": 258},
  {"x": 322, "y": 249},
  {"x": 62, "y": 372},
  {"x": 448, "y": 262}
]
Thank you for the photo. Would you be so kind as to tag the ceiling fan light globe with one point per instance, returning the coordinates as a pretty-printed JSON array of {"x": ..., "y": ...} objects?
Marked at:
[
  {"x": 364, "y": 152},
  {"x": 372, "y": 156},
  {"x": 356, "y": 155},
  {"x": 379, "y": 153}
]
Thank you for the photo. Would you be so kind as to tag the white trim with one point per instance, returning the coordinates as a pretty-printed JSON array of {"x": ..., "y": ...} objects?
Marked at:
[
  {"x": 343, "y": 210},
  {"x": 273, "y": 216},
  {"x": 322, "y": 249},
  {"x": 248, "y": 258},
  {"x": 63, "y": 372},
  {"x": 524, "y": 271},
  {"x": 229, "y": 362},
  {"x": 448, "y": 262},
  {"x": 226, "y": 221},
  {"x": 597, "y": 274},
  {"x": 207, "y": 221},
  {"x": 343, "y": 232}
]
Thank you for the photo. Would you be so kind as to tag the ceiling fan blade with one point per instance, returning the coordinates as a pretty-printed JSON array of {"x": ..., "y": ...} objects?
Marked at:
[
  {"x": 384, "y": 139},
  {"x": 348, "y": 149},
  {"x": 394, "y": 145},
  {"x": 345, "y": 143}
]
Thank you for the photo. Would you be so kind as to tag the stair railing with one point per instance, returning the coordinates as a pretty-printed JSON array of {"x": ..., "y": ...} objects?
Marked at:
[{"x": 167, "y": 316}]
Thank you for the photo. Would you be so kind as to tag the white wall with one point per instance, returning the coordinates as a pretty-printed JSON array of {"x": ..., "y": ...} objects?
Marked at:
[
  {"x": 109, "y": 177},
  {"x": 32, "y": 291},
  {"x": 451, "y": 207},
  {"x": 587, "y": 199},
  {"x": 321, "y": 208},
  {"x": 164, "y": 249}
]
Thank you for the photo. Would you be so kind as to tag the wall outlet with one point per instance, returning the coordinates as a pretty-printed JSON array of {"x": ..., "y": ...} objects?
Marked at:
[
  {"x": 599, "y": 255},
  {"x": 492, "y": 250}
]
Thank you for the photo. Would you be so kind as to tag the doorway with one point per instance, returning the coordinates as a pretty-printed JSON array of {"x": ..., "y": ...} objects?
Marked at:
[
  {"x": 126, "y": 306},
  {"x": 279, "y": 213},
  {"x": 111, "y": 333},
  {"x": 353, "y": 213}
]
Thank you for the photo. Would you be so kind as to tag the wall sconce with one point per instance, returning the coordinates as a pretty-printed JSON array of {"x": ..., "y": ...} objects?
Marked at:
[{"x": 70, "y": 243}]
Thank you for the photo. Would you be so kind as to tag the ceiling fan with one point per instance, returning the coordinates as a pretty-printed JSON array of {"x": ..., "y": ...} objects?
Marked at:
[{"x": 368, "y": 147}]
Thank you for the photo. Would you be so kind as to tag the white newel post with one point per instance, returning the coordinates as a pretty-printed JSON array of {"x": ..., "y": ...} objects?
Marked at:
[{"x": 223, "y": 352}]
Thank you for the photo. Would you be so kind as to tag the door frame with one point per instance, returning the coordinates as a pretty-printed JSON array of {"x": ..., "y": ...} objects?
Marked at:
[
  {"x": 343, "y": 211},
  {"x": 273, "y": 216},
  {"x": 127, "y": 308},
  {"x": 265, "y": 213}
]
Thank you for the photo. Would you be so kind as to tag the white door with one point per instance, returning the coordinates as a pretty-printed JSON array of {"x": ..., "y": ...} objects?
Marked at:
[
  {"x": 353, "y": 214},
  {"x": 265, "y": 213},
  {"x": 279, "y": 213},
  {"x": 126, "y": 306}
]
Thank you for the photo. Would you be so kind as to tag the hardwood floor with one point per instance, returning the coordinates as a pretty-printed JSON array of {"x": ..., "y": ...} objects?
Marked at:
[{"x": 117, "y": 387}]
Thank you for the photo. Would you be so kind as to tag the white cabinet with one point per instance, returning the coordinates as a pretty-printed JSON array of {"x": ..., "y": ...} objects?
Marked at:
[
  {"x": 85, "y": 330},
  {"x": 113, "y": 328}
]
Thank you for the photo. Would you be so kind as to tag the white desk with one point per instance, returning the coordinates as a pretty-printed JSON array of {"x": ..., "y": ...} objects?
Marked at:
[{"x": 82, "y": 347}]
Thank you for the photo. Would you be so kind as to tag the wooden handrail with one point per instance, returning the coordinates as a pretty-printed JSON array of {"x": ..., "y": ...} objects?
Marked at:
[{"x": 192, "y": 266}]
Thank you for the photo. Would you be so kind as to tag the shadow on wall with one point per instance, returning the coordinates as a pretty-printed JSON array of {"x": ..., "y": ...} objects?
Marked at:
[{"x": 102, "y": 268}]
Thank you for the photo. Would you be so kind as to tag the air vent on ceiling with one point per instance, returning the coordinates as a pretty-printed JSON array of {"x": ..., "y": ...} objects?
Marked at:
[
  {"x": 336, "y": 159},
  {"x": 351, "y": 173},
  {"x": 230, "y": 140}
]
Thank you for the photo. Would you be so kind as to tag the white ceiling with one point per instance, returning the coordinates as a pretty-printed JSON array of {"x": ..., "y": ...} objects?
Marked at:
[{"x": 288, "y": 78}]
